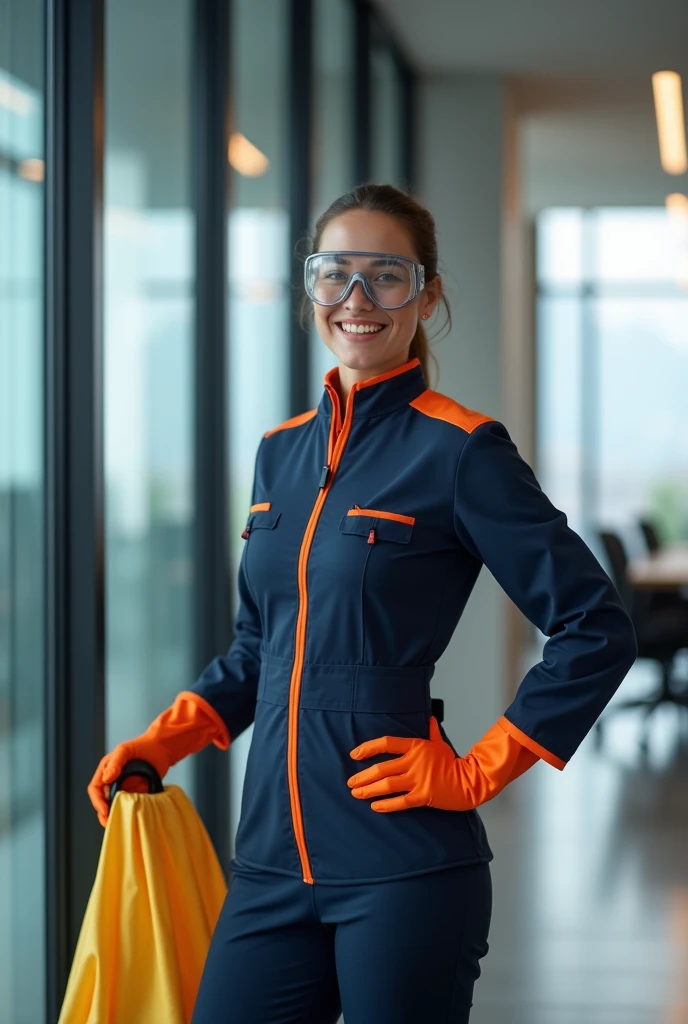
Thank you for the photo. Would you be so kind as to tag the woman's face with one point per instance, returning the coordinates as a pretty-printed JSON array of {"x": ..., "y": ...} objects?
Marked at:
[{"x": 388, "y": 345}]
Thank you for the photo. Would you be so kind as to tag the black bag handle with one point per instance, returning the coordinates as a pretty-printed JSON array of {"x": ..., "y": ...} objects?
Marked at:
[{"x": 137, "y": 767}]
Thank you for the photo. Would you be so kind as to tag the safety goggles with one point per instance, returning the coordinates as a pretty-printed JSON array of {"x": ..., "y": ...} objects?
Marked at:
[{"x": 389, "y": 281}]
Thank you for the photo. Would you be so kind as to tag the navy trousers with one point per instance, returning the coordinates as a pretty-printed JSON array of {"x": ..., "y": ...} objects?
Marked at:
[{"x": 395, "y": 952}]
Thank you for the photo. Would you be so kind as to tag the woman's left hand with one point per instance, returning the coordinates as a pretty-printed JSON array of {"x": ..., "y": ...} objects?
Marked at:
[{"x": 429, "y": 774}]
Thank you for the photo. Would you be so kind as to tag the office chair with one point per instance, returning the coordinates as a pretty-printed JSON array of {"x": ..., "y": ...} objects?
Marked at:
[
  {"x": 650, "y": 534},
  {"x": 661, "y": 633},
  {"x": 659, "y": 599}
]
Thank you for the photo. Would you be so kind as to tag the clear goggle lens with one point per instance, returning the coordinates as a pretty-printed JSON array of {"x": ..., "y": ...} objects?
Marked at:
[{"x": 389, "y": 281}]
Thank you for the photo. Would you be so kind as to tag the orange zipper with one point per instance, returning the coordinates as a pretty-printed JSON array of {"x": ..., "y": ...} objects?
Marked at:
[
  {"x": 339, "y": 433},
  {"x": 263, "y": 506},
  {"x": 358, "y": 511},
  {"x": 337, "y": 440}
]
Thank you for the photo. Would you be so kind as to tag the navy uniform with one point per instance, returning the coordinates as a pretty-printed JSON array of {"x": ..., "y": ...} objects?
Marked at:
[{"x": 365, "y": 537}]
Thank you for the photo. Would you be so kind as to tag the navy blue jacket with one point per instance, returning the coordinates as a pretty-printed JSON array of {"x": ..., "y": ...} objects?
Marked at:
[{"x": 365, "y": 538}]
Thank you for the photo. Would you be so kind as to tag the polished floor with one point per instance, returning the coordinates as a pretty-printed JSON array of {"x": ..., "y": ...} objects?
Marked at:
[{"x": 590, "y": 920}]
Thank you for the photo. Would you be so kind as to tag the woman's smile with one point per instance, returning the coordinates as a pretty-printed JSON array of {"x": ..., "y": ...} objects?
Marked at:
[{"x": 359, "y": 330}]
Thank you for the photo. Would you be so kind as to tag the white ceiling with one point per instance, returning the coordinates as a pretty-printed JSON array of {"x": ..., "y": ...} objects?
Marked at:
[
  {"x": 568, "y": 38},
  {"x": 580, "y": 70}
]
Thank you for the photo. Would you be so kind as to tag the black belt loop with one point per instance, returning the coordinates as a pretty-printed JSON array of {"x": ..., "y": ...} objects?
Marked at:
[{"x": 438, "y": 708}]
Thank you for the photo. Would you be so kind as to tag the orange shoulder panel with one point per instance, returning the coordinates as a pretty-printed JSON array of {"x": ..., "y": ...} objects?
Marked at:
[
  {"x": 295, "y": 421},
  {"x": 441, "y": 407}
]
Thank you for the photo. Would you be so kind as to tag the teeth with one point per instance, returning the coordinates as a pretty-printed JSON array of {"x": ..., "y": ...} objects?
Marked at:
[{"x": 360, "y": 328}]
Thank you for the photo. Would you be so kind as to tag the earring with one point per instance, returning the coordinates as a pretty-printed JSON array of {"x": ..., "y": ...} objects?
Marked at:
[{"x": 425, "y": 316}]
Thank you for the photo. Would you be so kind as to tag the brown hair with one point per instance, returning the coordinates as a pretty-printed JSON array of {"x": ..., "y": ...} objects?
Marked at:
[{"x": 420, "y": 225}]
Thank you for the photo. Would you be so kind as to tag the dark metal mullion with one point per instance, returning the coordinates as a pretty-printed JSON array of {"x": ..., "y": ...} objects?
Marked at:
[
  {"x": 300, "y": 121},
  {"x": 211, "y": 546},
  {"x": 75, "y": 623},
  {"x": 56, "y": 679},
  {"x": 407, "y": 115},
  {"x": 379, "y": 32},
  {"x": 362, "y": 89},
  {"x": 383, "y": 34}
]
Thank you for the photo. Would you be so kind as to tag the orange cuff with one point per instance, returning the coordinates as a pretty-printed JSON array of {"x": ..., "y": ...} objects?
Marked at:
[
  {"x": 221, "y": 737},
  {"x": 499, "y": 759},
  {"x": 531, "y": 744}
]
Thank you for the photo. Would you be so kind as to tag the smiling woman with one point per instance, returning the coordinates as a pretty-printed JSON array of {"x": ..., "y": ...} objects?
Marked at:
[
  {"x": 371, "y": 276},
  {"x": 384, "y": 503}
]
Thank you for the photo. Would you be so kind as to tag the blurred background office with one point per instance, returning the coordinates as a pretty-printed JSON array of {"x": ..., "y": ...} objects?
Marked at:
[{"x": 160, "y": 162}]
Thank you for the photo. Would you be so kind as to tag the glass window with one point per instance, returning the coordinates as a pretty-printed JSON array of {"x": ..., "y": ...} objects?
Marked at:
[
  {"x": 637, "y": 245},
  {"x": 259, "y": 267},
  {"x": 559, "y": 404},
  {"x": 22, "y": 624},
  {"x": 643, "y": 458},
  {"x": 612, "y": 367},
  {"x": 148, "y": 364},
  {"x": 333, "y": 101},
  {"x": 385, "y": 87},
  {"x": 560, "y": 246},
  {"x": 333, "y": 128}
]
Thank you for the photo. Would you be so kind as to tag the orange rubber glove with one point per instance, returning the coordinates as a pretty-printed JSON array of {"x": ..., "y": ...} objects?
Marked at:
[
  {"x": 429, "y": 774},
  {"x": 182, "y": 729}
]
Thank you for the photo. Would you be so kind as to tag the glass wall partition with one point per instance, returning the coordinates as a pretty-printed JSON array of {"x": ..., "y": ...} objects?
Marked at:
[
  {"x": 612, "y": 366},
  {"x": 333, "y": 134},
  {"x": 148, "y": 363},
  {"x": 259, "y": 264},
  {"x": 386, "y": 115},
  {"x": 157, "y": 98},
  {"x": 22, "y": 533}
]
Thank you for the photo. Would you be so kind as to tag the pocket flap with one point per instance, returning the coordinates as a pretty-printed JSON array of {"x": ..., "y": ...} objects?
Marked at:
[
  {"x": 360, "y": 525},
  {"x": 263, "y": 519}
]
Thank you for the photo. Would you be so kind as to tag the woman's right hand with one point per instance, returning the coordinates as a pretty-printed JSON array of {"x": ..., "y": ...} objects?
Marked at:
[
  {"x": 190, "y": 724},
  {"x": 111, "y": 766}
]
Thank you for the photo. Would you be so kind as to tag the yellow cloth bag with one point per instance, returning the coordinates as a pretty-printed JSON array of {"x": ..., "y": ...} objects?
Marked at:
[{"x": 144, "y": 939}]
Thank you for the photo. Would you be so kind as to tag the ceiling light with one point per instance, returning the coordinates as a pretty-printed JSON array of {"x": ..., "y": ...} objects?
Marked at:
[
  {"x": 677, "y": 206},
  {"x": 32, "y": 169},
  {"x": 677, "y": 212},
  {"x": 246, "y": 158},
  {"x": 671, "y": 128}
]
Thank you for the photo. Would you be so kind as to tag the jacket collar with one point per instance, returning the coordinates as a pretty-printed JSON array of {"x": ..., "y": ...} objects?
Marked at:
[{"x": 379, "y": 395}]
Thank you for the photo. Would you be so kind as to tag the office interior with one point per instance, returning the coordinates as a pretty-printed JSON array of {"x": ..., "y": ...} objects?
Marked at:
[{"x": 161, "y": 165}]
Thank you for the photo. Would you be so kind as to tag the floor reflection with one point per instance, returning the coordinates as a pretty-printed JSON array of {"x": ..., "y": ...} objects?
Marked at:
[{"x": 590, "y": 921}]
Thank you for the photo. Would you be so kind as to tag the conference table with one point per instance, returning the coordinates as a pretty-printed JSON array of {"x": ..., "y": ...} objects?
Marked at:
[{"x": 666, "y": 569}]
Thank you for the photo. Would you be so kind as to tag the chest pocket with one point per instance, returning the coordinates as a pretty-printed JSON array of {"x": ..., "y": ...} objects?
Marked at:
[
  {"x": 378, "y": 525},
  {"x": 260, "y": 552},
  {"x": 376, "y": 576},
  {"x": 261, "y": 517}
]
